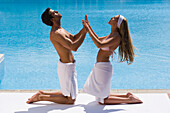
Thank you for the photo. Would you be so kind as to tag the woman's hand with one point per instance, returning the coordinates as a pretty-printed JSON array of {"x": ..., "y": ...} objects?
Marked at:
[{"x": 86, "y": 19}]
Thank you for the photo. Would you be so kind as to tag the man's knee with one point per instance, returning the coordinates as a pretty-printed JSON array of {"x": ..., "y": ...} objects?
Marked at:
[{"x": 101, "y": 103}]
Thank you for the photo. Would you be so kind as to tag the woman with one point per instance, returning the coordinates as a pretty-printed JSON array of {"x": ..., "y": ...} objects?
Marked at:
[{"x": 98, "y": 82}]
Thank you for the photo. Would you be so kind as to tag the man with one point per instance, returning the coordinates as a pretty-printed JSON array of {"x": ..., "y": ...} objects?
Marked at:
[{"x": 64, "y": 43}]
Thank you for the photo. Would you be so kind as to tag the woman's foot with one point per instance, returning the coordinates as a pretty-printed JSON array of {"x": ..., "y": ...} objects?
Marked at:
[
  {"x": 129, "y": 94},
  {"x": 134, "y": 100},
  {"x": 34, "y": 98}
]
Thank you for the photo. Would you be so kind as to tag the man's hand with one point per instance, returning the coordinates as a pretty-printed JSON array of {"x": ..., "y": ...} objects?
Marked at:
[{"x": 85, "y": 25}]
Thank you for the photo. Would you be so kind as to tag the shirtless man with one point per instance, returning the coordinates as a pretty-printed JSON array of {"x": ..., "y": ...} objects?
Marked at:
[{"x": 64, "y": 43}]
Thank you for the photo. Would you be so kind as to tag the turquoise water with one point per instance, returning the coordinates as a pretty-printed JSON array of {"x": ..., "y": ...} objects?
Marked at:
[{"x": 31, "y": 60}]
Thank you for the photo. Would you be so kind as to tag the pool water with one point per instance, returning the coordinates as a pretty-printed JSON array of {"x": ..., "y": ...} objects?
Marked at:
[{"x": 31, "y": 60}]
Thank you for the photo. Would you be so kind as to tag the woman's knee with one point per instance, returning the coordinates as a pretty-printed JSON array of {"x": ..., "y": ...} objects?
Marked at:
[
  {"x": 70, "y": 100},
  {"x": 101, "y": 103}
]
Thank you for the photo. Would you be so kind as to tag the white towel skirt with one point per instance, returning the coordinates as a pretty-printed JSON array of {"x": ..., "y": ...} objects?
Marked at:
[
  {"x": 98, "y": 82},
  {"x": 68, "y": 79}
]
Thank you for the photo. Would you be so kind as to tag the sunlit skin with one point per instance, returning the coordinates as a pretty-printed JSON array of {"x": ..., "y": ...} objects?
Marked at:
[
  {"x": 64, "y": 43},
  {"x": 113, "y": 41},
  {"x": 113, "y": 21}
]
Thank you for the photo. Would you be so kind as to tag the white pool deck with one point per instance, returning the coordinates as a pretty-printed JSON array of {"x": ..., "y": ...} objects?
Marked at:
[{"x": 155, "y": 101}]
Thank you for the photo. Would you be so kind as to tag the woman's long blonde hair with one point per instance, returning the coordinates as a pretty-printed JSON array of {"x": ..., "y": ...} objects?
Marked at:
[{"x": 126, "y": 48}]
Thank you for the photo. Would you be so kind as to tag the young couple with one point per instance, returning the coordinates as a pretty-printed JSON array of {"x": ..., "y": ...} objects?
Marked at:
[{"x": 98, "y": 82}]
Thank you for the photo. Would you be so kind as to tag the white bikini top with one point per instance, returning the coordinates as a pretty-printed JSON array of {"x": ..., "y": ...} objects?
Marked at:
[{"x": 105, "y": 48}]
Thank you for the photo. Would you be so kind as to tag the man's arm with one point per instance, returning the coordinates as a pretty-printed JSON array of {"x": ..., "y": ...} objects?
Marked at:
[
  {"x": 67, "y": 42},
  {"x": 76, "y": 36}
]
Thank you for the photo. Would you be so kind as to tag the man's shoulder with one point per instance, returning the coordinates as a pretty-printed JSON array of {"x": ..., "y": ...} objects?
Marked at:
[{"x": 55, "y": 33}]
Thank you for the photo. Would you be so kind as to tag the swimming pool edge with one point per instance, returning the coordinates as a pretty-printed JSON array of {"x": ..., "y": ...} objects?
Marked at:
[{"x": 112, "y": 90}]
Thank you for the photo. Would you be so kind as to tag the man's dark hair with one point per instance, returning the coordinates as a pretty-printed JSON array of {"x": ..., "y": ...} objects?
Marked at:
[{"x": 46, "y": 17}]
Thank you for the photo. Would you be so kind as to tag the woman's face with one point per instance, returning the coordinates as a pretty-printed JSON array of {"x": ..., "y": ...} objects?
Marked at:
[{"x": 113, "y": 21}]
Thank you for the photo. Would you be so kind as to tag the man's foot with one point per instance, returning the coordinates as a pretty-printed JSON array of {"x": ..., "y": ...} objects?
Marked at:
[
  {"x": 134, "y": 100},
  {"x": 34, "y": 98},
  {"x": 41, "y": 92}
]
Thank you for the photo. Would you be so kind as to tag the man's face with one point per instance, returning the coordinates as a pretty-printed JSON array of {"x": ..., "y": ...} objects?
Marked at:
[{"x": 55, "y": 14}]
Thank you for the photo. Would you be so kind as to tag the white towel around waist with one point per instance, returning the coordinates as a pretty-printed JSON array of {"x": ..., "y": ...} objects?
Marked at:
[
  {"x": 68, "y": 79},
  {"x": 98, "y": 82}
]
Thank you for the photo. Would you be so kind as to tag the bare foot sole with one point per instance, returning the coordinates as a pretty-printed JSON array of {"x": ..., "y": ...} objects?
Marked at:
[
  {"x": 41, "y": 92},
  {"x": 34, "y": 98},
  {"x": 129, "y": 94},
  {"x": 134, "y": 100}
]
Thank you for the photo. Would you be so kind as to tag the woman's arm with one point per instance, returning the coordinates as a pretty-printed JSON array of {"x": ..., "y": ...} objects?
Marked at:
[
  {"x": 109, "y": 42},
  {"x": 87, "y": 21},
  {"x": 100, "y": 38}
]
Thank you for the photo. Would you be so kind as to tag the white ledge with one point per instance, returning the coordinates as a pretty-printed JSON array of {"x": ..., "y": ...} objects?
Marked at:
[{"x": 1, "y": 57}]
